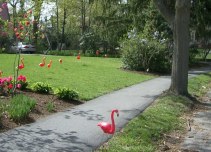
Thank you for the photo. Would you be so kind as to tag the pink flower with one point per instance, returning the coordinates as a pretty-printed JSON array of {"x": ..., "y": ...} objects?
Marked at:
[
  {"x": 18, "y": 86},
  {"x": 4, "y": 5},
  {"x": 9, "y": 79}
]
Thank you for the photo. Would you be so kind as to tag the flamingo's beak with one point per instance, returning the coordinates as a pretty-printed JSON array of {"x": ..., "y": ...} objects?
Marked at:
[{"x": 117, "y": 114}]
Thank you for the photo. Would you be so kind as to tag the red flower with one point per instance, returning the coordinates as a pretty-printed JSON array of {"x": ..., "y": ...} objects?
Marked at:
[
  {"x": 10, "y": 86},
  {"x": 22, "y": 78}
]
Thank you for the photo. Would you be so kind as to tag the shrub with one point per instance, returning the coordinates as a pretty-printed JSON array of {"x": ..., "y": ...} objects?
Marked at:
[
  {"x": 66, "y": 94},
  {"x": 50, "y": 106},
  {"x": 20, "y": 107},
  {"x": 142, "y": 54},
  {"x": 41, "y": 87}
]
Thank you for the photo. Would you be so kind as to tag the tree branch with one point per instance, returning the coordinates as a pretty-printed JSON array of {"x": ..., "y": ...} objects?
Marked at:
[{"x": 165, "y": 11}]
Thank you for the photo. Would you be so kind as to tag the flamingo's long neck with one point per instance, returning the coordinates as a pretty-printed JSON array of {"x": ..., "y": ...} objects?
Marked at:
[
  {"x": 113, "y": 123},
  {"x": 43, "y": 61}
]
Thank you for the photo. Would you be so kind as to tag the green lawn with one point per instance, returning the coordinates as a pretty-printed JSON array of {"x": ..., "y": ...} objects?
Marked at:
[
  {"x": 90, "y": 76},
  {"x": 144, "y": 133}
]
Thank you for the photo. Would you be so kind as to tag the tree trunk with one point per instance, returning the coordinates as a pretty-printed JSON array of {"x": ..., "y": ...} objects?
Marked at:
[
  {"x": 63, "y": 28},
  {"x": 179, "y": 23},
  {"x": 57, "y": 24},
  {"x": 83, "y": 17},
  {"x": 179, "y": 80}
]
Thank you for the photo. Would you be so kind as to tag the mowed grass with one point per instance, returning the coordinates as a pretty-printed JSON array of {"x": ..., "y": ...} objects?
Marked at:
[
  {"x": 90, "y": 76},
  {"x": 145, "y": 132}
]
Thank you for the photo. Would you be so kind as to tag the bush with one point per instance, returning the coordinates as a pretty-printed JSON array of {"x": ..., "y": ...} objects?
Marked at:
[
  {"x": 141, "y": 54},
  {"x": 20, "y": 107},
  {"x": 66, "y": 94},
  {"x": 41, "y": 87}
]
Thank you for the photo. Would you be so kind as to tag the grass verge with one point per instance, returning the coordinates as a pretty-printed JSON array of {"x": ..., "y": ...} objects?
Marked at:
[{"x": 143, "y": 132}]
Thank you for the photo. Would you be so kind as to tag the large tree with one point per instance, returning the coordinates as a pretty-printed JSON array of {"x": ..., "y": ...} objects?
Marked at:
[{"x": 178, "y": 20}]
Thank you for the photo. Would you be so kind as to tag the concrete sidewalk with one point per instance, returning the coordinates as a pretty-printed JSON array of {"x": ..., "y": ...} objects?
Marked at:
[{"x": 76, "y": 129}]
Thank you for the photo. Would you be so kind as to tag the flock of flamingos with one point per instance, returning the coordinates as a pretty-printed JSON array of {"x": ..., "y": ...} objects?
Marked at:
[{"x": 42, "y": 64}]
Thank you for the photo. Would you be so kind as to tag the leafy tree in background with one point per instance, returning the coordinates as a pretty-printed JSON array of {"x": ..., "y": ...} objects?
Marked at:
[
  {"x": 201, "y": 25},
  {"x": 37, "y": 13},
  {"x": 110, "y": 21}
]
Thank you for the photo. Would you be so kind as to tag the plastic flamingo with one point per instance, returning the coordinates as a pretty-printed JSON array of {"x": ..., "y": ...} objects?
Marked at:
[
  {"x": 43, "y": 62},
  {"x": 49, "y": 65},
  {"x": 21, "y": 66},
  {"x": 79, "y": 56},
  {"x": 106, "y": 126},
  {"x": 60, "y": 61}
]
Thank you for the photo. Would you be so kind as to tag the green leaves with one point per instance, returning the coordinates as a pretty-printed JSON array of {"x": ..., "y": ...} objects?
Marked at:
[
  {"x": 41, "y": 87},
  {"x": 67, "y": 94}
]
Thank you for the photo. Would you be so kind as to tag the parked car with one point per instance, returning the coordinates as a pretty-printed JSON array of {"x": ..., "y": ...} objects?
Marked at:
[{"x": 23, "y": 47}]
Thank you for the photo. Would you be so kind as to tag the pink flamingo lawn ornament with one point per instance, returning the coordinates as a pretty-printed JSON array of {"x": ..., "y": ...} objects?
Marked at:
[
  {"x": 21, "y": 66},
  {"x": 42, "y": 64},
  {"x": 49, "y": 64},
  {"x": 79, "y": 56},
  {"x": 106, "y": 126}
]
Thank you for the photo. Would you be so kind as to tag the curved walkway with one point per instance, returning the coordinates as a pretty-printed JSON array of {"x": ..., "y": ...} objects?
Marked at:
[{"x": 76, "y": 129}]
